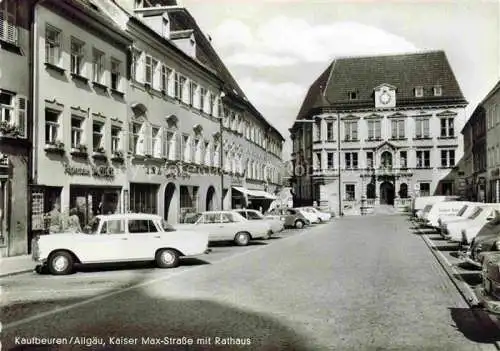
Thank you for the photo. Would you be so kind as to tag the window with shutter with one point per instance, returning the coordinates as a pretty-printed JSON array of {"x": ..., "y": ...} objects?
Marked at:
[
  {"x": 148, "y": 139},
  {"x": 8, "y": 28}
]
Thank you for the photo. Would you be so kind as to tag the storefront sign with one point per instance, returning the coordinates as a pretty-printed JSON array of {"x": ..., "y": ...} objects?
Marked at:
[
  {"x": 180, "y": 170},
  {"x": 94, "y": 171}
]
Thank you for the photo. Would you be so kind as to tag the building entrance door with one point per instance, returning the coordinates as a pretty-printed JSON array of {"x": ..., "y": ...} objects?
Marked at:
[{"x": 387, "y": 193}]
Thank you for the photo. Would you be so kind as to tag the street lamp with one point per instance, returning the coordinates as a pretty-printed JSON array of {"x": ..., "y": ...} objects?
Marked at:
[{"x": 221, "y": 151}]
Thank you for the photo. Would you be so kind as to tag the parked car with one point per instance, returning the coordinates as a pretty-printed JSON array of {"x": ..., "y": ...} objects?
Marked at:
[
  {"x": 277, "y": 224},
  {"x": 487, "y": 240},
  {"x": 441, "y": 209},
  {"x": 488, "y": 293},
  {"x": 419, "y": 202},
  {"x": 117, "y": 238},
  {"x": 312, "y": 217},
  {"x": 291, "y": 217},
  {"x": 480, "y": 216},
  {"x": 463, "y": 214},
  {"x": 227, "y": 226},
  {"x": 322, "y": 216}
]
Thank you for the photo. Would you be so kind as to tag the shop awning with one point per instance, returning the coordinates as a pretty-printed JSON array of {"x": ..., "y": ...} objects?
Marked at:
[{"x": 255, "y": 193}]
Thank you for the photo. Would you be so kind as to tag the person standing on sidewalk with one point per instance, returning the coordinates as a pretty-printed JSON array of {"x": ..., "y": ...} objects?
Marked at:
[{"x": 55, "y": 219}]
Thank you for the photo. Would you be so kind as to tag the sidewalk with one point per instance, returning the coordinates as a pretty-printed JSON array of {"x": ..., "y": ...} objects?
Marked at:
[{"x": 16, "y": 265}]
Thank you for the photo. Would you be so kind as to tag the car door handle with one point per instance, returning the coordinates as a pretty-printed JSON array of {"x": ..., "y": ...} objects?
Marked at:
[
  {"x": 124, "y": 238},
  {"x": 157, "y": 237}
]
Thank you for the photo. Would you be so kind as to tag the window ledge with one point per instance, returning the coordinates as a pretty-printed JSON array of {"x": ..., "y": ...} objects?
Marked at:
[
  {"x": 117, "y": 92},
  {"x": 423, "y": 138},
  {"x": 100, "y": 86},
  {"x": 423, "y": 167},
  {"x": 80, "y": 78},
  {"x": 11, "y": 47},
  {"x": 446, "y": 167},
  {"x": 56, "y": 68},
  {"x": 447, "y": 137},
  {"x": 54, "y": 149},
  {"x": 350, "y": 140},
  {"x": 396, "y": 139},
  {"x": 79, "y": 153},
  {"x": 99, "y": 155}
]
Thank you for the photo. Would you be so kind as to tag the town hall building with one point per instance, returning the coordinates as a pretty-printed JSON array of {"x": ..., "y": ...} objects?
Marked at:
[{"x": 380, "y": 129}]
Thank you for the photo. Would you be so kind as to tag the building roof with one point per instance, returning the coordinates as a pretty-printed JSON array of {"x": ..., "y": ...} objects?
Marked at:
[{"x": 362, "y": 74}]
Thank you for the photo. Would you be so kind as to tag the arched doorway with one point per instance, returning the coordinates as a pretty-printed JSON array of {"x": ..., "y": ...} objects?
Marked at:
[
  {"x": 387, "y": 193},
  {"x": 210, "y": 200},
  {"x": 403, "y": 191},
  {"x": 169, "y": 196}
]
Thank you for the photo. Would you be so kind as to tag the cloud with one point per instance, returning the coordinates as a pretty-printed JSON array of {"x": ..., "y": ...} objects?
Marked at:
[
  {"x": 265, "y": 94},
  {"x": 256, "y": 59},
  {"x": 284, "y": 40}
]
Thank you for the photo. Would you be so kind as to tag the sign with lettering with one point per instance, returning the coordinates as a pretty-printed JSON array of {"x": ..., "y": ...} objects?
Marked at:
[{"x": 90, "y": 171}]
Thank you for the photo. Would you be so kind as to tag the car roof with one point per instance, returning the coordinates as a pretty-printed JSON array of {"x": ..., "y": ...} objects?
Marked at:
[
  {"x": 215, "y": 212},
  {"x": 129, "y": 216}
]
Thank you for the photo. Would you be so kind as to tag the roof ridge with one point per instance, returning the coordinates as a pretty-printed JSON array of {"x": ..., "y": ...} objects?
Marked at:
[{"x": 402, "y": 53}]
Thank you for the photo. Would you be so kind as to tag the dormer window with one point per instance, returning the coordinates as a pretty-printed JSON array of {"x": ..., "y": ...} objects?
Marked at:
[
  {"x": 438, "y": 90},
  {"x": 353, "y": 95},
  {"x": 419, "y": 91}
]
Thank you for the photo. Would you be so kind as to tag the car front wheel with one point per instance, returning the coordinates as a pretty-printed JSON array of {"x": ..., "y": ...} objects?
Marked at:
[
  {"x": 167, "y": 258},
  {"x": 299, "y": 224},
  {"x": 242, "y": 239},
  {"x": 60, "y": 263}
]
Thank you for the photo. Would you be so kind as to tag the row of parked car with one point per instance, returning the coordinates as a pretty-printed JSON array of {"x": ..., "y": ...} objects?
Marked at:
[
  {"x": 146, "y": 237},
  {"x": 475, "y": 227}
]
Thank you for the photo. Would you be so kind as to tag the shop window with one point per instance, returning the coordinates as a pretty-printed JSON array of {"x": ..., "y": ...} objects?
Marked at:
[
  {"x": 51, "y": 126},
  {"x": 97, "y": 136},
  {"x": 143, "y": 198}
]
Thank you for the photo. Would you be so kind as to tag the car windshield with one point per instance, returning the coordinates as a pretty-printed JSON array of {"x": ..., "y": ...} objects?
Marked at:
[
  {"x": 93, "y": 226},
  {"x": 254, "y": 215},
  {"x": 193, "y": 218},
  {"x": 476, "y": 213},
  {"x": 462, "y": 210}
]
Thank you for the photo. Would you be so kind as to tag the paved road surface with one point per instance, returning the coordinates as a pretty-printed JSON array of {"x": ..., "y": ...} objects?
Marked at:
[{"x": 358, "y": 283}]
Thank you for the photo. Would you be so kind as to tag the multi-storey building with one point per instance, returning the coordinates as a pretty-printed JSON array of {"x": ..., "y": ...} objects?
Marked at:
[
  {"x": 80, "y": 104},
  {"x": 195, "y": 141},
  {"x": 15, "y": 145},
  {"x": 380, "y": 127},
  {"x": 491, "y": 107},
  {"x": 475, "y": 154}
]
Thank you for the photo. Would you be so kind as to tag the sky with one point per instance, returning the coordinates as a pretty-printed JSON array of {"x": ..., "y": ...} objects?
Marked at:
[{"x": 275, "y": 49}]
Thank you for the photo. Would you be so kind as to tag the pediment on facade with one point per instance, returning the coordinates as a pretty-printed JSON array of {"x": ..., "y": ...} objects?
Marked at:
[
  {"x": 397, "y": 115},
  {"x": 386, "y": 146},
  {"x": 384, "y": 86},
  {"x": 446, "y": 113},
  {"x": 374, "y": 116}
]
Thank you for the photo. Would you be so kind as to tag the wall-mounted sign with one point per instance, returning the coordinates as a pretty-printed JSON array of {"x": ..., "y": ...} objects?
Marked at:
[{"x": 90, "y": 171}]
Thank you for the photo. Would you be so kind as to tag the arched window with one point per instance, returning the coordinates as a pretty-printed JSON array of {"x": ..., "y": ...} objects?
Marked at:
[{"x": 386, "y": 159}]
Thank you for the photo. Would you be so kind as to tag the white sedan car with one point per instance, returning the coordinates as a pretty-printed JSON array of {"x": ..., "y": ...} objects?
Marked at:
[
  {"x": 277, "y": 225},
  {"x": 311, "y": 216},
  {"x": 118, "y": 238},
  {"x": 227, "y": 226},
  {"x": 323, "y": 216}
]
